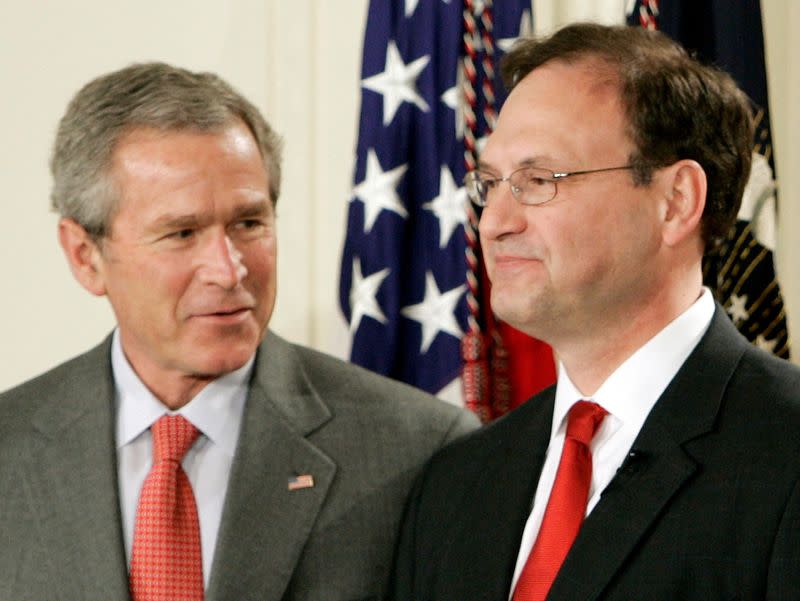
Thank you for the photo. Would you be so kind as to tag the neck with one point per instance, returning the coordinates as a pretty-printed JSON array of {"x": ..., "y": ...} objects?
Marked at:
[
  {"x": 592, "y": 357},
  {"x": 177, "y": 391},
  {"x": 172, "y": 387}
]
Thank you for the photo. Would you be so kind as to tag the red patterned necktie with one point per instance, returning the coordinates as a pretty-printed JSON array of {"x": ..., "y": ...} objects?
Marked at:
[
  {"x": 566, "y": 507},
  {"x": 167, "y": 564}
]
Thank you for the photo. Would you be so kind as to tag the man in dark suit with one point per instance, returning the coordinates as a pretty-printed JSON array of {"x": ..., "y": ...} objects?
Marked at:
[
  {"x": 298, "y": 465},
  {"x": 665, "y": 463}
]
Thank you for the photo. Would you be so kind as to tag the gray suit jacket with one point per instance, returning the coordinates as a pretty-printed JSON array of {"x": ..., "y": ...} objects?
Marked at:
[{"x": 362, "y": 437}]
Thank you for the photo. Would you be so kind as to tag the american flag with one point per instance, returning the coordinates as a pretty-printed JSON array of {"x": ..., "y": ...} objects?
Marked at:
[
  {"x": 403, "y": 278},
  {"x": 742, "y": 274},
  {"x": 300, "y": 481}
]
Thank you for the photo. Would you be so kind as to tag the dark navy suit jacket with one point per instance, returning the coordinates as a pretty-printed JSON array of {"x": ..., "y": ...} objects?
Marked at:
[{"x": 708, "y": 509}]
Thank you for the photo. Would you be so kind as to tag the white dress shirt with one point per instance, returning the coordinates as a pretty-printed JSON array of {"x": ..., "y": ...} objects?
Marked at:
[
  {"x": 628, "y": 395},
  {"x": 216, "y": 411}
]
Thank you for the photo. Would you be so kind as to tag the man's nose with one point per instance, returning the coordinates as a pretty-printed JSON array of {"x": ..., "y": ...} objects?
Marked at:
[
  {"x": 502, "y": 215},
  {"x": 222, "y": 262}
]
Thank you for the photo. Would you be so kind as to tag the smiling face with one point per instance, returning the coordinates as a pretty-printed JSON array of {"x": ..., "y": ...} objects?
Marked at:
[
  {"x": 581, "y": 259},
  {"x": 189, "y": 265}
]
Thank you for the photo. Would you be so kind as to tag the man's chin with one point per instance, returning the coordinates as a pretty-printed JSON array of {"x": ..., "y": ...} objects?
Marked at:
[
  {"x": 525, "y": 317},
  {"x": 220, "y": 363}
]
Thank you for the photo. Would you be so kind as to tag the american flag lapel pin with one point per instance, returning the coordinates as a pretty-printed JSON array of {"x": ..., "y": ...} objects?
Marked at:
[{"x": 301, "y": 481}]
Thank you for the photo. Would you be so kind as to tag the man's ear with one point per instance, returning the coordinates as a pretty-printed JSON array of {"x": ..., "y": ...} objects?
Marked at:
[
  {"x": 685, "y": 201},
  {"x": 83, "y": 255}
]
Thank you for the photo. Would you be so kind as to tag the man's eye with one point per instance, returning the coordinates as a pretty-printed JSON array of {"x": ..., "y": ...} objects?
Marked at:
[
  {"x": 537, "y": 181},
  {"x": 248, "y": 225},
  {"x": 182, "y": 234}
]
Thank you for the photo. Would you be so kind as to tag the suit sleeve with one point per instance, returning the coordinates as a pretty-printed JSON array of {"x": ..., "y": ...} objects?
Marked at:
[{"x": 783, "y": 579}]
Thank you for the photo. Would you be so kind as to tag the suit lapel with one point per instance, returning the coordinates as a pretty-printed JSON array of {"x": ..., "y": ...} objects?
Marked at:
[
  {"x": 264, "y": 524},
  {"x": 69, "y": 475},
  {"x": 628, "y": 507},
  {"x": 642, "y": 489}
]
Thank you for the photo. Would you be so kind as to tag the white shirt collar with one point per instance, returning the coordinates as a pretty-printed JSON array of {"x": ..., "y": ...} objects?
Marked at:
[
  {"x": 630, "y": 392},
  {"x": 216, "y": 410}
]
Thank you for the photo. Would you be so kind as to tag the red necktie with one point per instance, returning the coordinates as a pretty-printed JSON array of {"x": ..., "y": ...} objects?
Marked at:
[
  {"x": 167, "y": 564},
  {"x": 566, "y": 507}
]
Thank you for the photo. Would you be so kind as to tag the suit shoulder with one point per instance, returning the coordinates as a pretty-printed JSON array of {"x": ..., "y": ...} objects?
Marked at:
[
  {"x": 771, "y": 378},
  {"x": 349, "y": 386},
  {"x": 473, "y": 448},
  {"x": 758, "y": 382},
  {"x": 337, "y": 370},
  {"x": 764, "y": 391},
  {"x": 74, "y": 371},
  {"x": 80, "y": 375}
]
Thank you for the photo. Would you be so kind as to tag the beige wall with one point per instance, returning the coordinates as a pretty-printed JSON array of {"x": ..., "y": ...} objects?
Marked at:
[
  {"x": 781, "y": 18},
  {"x": 299, "y": 61}
]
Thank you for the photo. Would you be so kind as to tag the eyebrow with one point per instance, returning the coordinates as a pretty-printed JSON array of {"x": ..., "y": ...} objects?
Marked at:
[
  {"x": 171, "y": 221},
  {"x": 174, "y": 222},
  {"x": 259, "y": 208},
  {"x": 535, "y": 161}
]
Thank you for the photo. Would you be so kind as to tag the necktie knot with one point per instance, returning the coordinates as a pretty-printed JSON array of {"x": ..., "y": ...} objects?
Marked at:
[
  {"x": 584, "y": 419},
  {"x": 173, "y": 436}
]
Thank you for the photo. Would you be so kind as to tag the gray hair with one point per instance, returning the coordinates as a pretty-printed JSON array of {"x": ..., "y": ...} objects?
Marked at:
[{"x": 154, "y": 95}]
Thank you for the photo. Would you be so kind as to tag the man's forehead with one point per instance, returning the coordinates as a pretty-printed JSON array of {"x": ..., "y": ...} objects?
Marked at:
[
  {"x": 549, "y": 113},
  {"x": 235, "y": 131},
  {"x": 588, "y": 75},
  {"x": 172, "y": 174},
  {"x": 152, "y": 148}
]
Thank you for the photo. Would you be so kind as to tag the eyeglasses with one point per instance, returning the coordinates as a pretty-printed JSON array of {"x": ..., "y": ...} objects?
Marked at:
[{"x": 529, "y": 185}]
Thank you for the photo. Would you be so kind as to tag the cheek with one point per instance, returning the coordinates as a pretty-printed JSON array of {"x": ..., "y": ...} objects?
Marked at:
[
  {"x": 261, "y": 263},
  {"x": 164, "y": 284},
  {"x": 169, "y": 274},
  {"x": 609, "y": 242},
  {"x": 148, "y": 293},
  {"x": 579, "y": 249}
]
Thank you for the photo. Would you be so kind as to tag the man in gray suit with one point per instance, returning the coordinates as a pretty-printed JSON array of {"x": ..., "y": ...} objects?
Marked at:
[{"x": 166, "y": 183}]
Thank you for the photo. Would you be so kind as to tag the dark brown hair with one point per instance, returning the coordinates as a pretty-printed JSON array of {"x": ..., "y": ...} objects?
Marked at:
[{"x": 677, "y": 108}]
